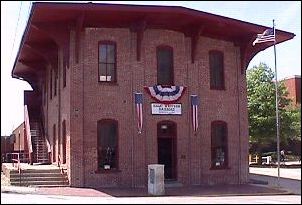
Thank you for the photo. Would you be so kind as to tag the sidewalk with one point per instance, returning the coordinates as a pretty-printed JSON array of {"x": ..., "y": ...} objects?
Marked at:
[
  {"x": 257, "y": 174},
  {"x": 217, "y": 190}
]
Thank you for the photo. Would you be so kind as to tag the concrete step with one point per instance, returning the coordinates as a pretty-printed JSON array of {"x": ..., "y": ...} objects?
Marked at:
[
  {"x": 38, "y": 171},
  {"x": 50, "y": 185},
  {"x": 29, "y": 179},
  {"x": 37, "y": 175},
  {"x": 40, "y": 183}
]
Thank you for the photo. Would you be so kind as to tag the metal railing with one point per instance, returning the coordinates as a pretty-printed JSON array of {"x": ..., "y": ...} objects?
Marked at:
[
  {"x": 17, "y": 160},
  {"x": 28, "y": 134},
  {"x": 59, "y": 164}
]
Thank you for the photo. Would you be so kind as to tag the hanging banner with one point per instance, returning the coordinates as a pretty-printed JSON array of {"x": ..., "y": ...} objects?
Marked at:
[
  {"x": 165, "y": 109},
  {"x": 194, "y": 103},
  {"x": 139, "y": 110}
]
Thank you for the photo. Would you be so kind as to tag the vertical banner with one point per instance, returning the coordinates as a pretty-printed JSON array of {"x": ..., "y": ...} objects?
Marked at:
[
  {"x": 194, "y": 102},
  {"x": 139, "y": 110}
]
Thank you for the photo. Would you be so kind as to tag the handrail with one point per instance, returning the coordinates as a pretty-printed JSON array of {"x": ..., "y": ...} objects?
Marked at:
[
  {"x": 59, "y": 164},
  {"x": 48, "y": 145},
  {"x": 27, "y": 132},
  {"x": 45, "y": 136},
  {"x": 16, "y": 160}
]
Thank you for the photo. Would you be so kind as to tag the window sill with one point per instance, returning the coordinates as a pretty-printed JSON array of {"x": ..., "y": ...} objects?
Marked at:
[
  {"x": 218, "y": 88},
  {"x": 220, "y": 168},
  {"x": 108, "y": 83},
  {"x": 107, "y": 171}
]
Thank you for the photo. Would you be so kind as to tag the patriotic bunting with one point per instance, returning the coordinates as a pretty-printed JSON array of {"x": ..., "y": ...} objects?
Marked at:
[
  {"x": 139, "y": 111},
  {"x": 166, "y": 94},
  {"x": 194, "y": 102}
]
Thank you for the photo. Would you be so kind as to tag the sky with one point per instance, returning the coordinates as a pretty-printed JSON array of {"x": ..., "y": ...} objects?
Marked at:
[{"x": 287, "y": 16}]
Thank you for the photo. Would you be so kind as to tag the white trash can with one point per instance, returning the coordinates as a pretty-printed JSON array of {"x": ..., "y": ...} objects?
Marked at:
[{"x": 156, "y": 183}]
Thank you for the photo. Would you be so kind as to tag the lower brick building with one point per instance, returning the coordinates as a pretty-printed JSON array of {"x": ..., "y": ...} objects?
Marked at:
[
  {"x": 119, "y": 87},
  {"x": 293, "y": 86}
]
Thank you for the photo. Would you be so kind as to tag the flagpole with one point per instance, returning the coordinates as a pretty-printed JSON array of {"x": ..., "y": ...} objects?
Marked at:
[{"x": 277, "y": 111}]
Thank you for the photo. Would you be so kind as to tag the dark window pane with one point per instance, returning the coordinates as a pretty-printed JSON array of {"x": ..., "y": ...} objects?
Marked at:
[
  {"x": 110, "y": 54},
  {"x": 107, "y": 64},
  {"x": 102, "y": 72},
  {"x": 103, "y": 53},
  {"x": 216, "y": 70},
  {"x": 110, "y": 72},
  {"x": 165, "y": 66},
  {"x": 219, "y": 144},
  {"x": 107, "y": 145}
]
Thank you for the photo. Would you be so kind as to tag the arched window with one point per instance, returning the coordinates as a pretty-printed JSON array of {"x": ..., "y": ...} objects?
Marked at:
[
  {"x": 216, "y": 70},
  {"x": 107, "y": 61},
  {"x": 219, "y": 151},
  {"x": 165, "y": 65},
  {"x": 107, "y": 144}
]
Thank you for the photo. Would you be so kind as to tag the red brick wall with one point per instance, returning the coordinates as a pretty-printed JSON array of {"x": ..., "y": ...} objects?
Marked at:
[
  {"x": 293, "y": 86},
  {"x": 6, "y": 145},
  {"x": 56, "y": 111},
  {"x": 19, "y": 142},
  {"x": 92, "y": 101},
  {"x": 85, "y": 101}
]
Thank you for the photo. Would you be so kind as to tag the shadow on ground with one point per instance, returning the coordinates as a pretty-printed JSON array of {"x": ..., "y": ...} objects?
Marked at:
[{"x": 216, "y": 190}]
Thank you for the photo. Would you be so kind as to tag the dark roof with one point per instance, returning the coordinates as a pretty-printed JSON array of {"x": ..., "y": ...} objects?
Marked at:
[{"x": 175, "y": 18}]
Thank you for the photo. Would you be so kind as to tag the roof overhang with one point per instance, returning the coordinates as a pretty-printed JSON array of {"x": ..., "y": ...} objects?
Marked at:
[{"x": 36, "y": 45}]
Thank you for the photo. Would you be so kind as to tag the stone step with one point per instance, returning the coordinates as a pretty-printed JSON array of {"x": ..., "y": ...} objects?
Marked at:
[
  {"x": 51, "y": 185},
  {"x": 29, "y": 179},
  {"x": 38, "y": 171},
  {"x": 40, "y": 183}
]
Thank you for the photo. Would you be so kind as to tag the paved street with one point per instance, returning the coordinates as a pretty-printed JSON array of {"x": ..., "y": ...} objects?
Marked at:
[{"x": 290, "y": 178}]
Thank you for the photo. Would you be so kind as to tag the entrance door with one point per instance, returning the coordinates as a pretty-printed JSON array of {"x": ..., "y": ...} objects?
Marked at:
[{"x": 166, "y": 144}]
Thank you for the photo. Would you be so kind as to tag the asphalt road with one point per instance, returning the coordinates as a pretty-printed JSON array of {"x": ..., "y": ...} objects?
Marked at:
[{"x": 289, "y": 178}]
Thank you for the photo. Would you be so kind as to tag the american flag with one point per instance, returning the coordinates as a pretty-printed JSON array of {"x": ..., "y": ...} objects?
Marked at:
[
  {"x": 139, "y": 110},
  {"x": 194, "y": 101},
  {"x": 267, "y": 35}
]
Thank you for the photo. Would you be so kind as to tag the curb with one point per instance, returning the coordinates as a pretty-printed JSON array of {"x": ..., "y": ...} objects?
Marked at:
[{"x": 19, "y": 190}]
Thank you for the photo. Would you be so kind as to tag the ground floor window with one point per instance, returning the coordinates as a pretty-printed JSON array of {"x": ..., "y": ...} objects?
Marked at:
[
  {"x": 107, "y": 144},
  {"x": 219, "y": 152}
]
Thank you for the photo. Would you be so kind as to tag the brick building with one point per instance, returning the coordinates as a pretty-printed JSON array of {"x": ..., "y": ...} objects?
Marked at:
[
  {"x": 86, "y": 62},
  {"x": 7, "y": 146},
  {"x": 19, "y": 138},
  {"x": 293, "y": 86}
]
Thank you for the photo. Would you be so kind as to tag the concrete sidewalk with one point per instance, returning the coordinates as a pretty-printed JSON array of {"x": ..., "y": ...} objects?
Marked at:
[
  {"x": 288, "y": 186},
  {"x": 217, "y": 190}
]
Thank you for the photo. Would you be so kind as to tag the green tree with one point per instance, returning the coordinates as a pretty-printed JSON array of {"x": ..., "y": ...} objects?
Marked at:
[{"x": 262, "y": 110}]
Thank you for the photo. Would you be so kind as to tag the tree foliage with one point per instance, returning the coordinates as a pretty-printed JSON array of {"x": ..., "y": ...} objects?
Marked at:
[{"x": 262, "y": 110}]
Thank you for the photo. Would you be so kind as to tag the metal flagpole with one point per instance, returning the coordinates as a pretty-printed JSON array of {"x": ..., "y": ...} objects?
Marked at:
[{"x": 277, "y": 111}]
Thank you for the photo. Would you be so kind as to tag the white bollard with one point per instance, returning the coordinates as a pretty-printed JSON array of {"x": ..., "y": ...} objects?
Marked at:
[{"x": 156, "y": 183}]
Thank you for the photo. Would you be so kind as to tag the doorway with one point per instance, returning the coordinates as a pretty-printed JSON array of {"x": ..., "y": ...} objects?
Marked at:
[{"x": 166, "y": 147}]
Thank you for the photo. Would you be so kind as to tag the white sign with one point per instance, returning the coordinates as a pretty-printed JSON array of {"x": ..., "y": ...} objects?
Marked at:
[{"x": 165, "y": 109}]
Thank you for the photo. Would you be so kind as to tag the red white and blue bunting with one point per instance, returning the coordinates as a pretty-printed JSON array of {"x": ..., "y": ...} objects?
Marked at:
[{"x": 165, "y": 94}]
